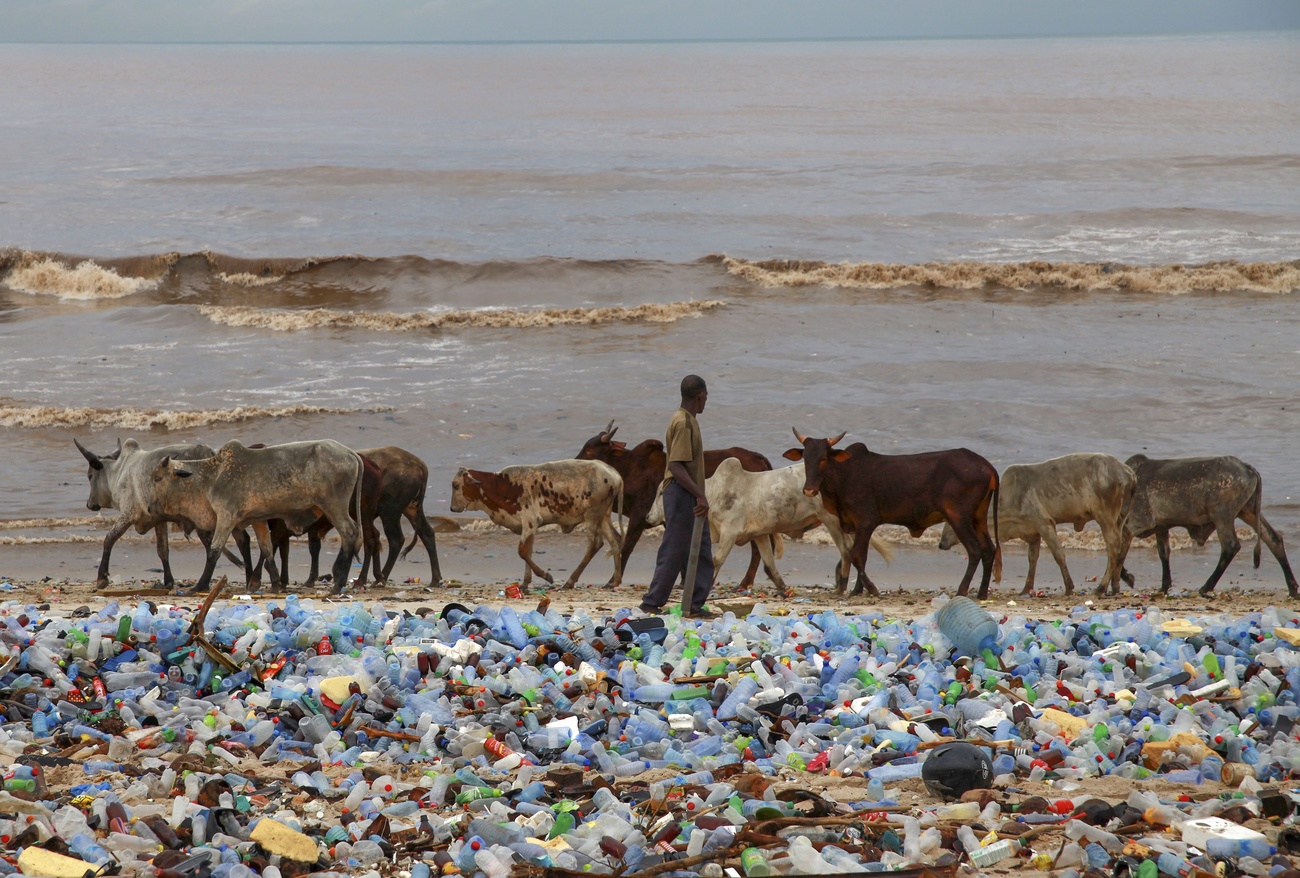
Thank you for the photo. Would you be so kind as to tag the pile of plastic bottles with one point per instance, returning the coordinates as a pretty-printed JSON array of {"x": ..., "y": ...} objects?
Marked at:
[{"x": 287, "y": 738}]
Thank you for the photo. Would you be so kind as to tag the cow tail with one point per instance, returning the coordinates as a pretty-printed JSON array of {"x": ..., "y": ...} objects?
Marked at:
[
  {"x": 622, "y": 533},
  {"x": 1258, "y": 502},
  {"x": 361, "y": 475},
  {"x": 997, "y": 537}
]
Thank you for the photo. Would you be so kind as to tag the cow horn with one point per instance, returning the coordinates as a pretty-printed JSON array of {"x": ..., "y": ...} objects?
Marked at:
[
  {"x": 801, "y": 437},
  {"x": 831, "y": 442},
  {"x": 90, "y": 456}
]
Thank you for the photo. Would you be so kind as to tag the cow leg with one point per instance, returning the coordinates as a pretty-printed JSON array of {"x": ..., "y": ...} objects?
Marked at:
[
  {"x": 721, "y": 549},
  {"x": 252, "y": 573},
  {"x": 164, "y": 553},
  {"x": 426, "y": 534},
  {"x": 764, "y": 546},
  {"x": 616, "y": 548},
  {"x": 369, "y": 550},
  {"x": 267, "y": 547},
  {"x": 755, "y": 555},
  {"x": 1111, "y": 535},
  {"x": 1162, "y": 548},
  {"x": 1048, "y": 532},
  {"x": 595, "y": 539},
  {"x": 114, "y": 534},
  {"x": 219, "y": 537},
  {"x": 979, "y": 551},
  {"x": 1125, "y": 543},
  {"x": 1035, "y": 545},
  {"x": 349, "y": 546},
  {"x": 526, "y": 553},
  {"x": 841, "y": 546},
  {"x": 1229, "y": 546},
  {"x": 393, "y": 533},
  {"x": 281, "y": 542},
  {"x": 858, "y": 555},
  {"x": 1271, "y": 538}
]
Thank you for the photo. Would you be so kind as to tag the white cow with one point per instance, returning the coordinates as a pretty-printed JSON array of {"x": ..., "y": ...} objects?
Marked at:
[
  {"x": 763, "y": 507},
  {"x": 1072, "y": 489},
  {"x": 122, "y": 480}
]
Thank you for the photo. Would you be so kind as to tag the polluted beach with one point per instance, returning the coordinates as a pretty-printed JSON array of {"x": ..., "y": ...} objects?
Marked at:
[
  {"x": 294, "y": 736},
  {"x": 317, "y": 352}
]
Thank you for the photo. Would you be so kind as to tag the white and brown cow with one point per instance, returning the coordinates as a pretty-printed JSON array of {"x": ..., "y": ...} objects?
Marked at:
[
  {"x": 1071, "y": 489},
  {"x": 564, "y": 492},
  {"x": 761, "y": 507}
]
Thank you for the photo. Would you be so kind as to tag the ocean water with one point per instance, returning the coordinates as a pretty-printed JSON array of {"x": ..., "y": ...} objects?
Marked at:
[{"x": 482, "y": 253}]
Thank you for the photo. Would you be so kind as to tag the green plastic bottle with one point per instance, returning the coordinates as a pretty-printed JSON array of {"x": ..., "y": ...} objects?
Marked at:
[
  {"x": 464, "y": 797},
  {"x": 754, "y": 863},
  {"x": 563, "y": 824},
  {"x": 1211, "y": 663}
]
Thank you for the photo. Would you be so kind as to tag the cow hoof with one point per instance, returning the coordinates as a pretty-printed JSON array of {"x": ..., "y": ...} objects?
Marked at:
[
  {"x": 1206, "y": 592},
  {"x": 101, "y": 584},
  {"x": 568, "y": 586}
]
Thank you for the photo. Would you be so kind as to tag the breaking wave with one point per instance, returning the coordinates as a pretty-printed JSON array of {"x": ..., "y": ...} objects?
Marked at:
[
  {"x": 1228, "y": 276},
  {"x": 501, "y": 318},
  {"x": 84, "y": 281},
  {"x": 37, "y": 416},
  {"x": 45, "y": 541},
  {"x": 92, "y": 521}
]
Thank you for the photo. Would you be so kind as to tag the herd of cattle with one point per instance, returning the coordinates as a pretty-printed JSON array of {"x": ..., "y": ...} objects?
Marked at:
[{"x": 314, "y": 486}]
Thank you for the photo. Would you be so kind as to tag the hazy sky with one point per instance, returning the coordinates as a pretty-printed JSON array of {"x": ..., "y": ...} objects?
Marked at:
[{"x": 386, "y": 20}]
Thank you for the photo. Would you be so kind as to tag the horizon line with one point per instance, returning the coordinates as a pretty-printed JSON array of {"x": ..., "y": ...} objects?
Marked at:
[{"x": 660, "y": 40}]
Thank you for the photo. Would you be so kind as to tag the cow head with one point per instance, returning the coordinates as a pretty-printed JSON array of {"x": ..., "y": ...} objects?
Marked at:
[
  {"x": 602, "y": 446},
  {"x": 464, "y": 490},
  {"x": 815, "y": 454},
  {"x": 168, "y": 479},
  {"x": 100, "y": 476}
]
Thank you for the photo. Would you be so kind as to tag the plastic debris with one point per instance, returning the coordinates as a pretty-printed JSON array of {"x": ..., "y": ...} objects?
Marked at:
[{"x": 290, "y": 738}]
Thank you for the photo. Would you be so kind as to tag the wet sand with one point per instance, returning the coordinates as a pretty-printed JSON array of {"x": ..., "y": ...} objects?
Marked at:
[{"x": 478, "y": 565}]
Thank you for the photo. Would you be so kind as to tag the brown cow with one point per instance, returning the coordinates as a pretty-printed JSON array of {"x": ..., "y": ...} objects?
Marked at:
[
  {"x": 866, "y": 490},
  {"x": 402, "y": 494},
  {"x": 642, "y": 469}
]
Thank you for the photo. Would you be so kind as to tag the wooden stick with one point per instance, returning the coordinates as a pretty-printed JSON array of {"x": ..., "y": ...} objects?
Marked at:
[{"x": 692, "y": 564}]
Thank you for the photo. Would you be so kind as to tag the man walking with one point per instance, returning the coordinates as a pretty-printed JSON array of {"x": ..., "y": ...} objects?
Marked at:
[{"x": 684, "y": 500}]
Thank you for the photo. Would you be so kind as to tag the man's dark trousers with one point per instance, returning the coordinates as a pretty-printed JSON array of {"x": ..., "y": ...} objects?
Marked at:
[{"x": 679, "y": 521}]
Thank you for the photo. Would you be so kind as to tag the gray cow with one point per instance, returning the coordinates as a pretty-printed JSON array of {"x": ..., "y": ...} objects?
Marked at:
[
  {"x": 1201, "y": 494},
  {"x": 297, "y": 482},
  {"x": 121, "y": 480},
  {"x": 1072, "y": 489}
]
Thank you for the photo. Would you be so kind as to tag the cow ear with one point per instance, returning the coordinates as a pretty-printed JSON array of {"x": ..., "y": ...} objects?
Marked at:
[
  {"x": 794, "y": 454},
  {"x": 469, "y": 478},
  {"x": 841, "y": 456},
  {"x": 619, "y": 446}
]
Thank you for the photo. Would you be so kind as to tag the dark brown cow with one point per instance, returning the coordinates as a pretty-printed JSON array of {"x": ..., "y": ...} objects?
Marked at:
[
  {"x": 866, "y": 490},
  {"x": 642, "y": 469},
  {"x": 1203, "y": 495},
  {"x": 402, "y": 494}
]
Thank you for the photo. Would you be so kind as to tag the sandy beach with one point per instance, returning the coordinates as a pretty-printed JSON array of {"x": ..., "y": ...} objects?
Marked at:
[{"x": 479, "y": 562}]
